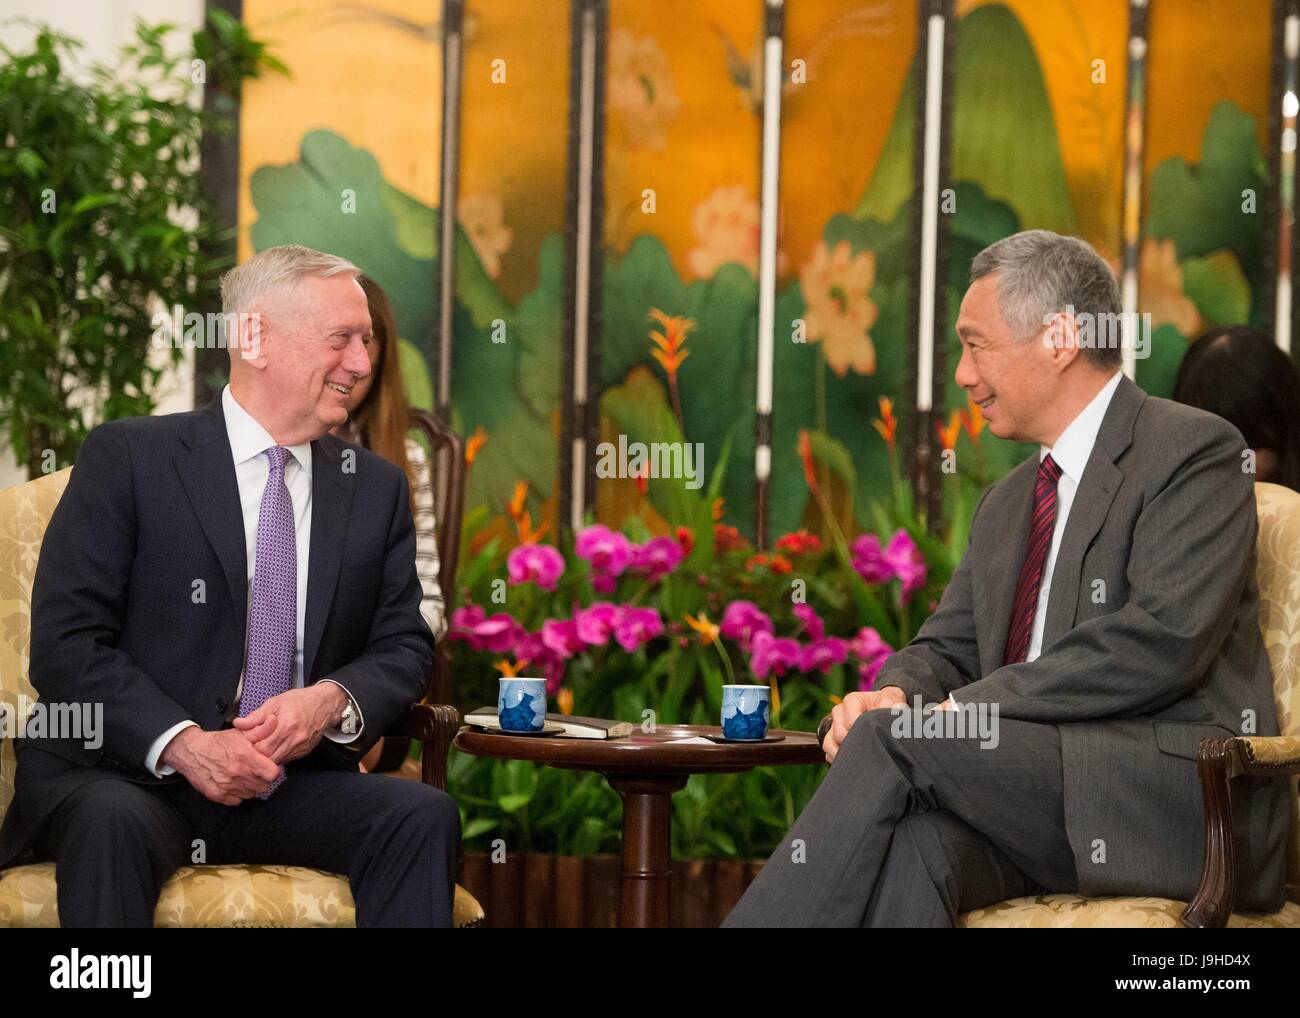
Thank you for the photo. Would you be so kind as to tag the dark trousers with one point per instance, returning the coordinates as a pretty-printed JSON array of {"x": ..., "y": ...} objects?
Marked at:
[
  {"x": 116, "y": 843},
  {"x": 914, "y": 831}
]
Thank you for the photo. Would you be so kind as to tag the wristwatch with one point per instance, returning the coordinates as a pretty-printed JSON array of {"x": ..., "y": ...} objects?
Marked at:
[{"x": 348, "y": 722}]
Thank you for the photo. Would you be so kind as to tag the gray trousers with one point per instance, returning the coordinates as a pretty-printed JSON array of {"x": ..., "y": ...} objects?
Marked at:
[{"x": 913, "y": 831}]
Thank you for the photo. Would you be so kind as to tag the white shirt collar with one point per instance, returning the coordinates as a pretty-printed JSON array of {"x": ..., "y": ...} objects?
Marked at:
[
  {"x": 249, "y": 439},
  {"x": 1074, "y": 447}
]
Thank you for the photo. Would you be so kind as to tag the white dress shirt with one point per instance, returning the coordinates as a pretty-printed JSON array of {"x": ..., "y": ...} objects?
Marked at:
[
  {"x": 1071, "y": 453},
  {"x": 248, "y": 444}
]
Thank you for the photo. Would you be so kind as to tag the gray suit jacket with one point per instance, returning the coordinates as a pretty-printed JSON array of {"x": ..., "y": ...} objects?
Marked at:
[{"x": 1135, "y": 669}]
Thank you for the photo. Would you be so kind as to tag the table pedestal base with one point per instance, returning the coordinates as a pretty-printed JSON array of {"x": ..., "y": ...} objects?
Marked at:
[{"x": 647, "y": 846}]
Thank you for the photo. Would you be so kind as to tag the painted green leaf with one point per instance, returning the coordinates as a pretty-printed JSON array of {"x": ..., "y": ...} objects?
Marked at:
[
  {"x": 1157, "y": 372},
  {"x": 1219, "y": 289},
  {"x": 1004, "y": 134},
  {"x": 716, "y": 381},
  {"x": 1207, "y": 207}
]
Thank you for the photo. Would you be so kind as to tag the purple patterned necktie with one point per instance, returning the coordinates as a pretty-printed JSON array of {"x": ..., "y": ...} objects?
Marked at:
[
  {"x": 1043, "y": 522},
  {"x": 273, "y": 615}
]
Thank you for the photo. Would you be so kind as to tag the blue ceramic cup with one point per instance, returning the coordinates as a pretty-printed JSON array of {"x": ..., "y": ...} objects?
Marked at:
[
  {"x": 521, "y": 705},
  {"x": 745, "y": 711}
]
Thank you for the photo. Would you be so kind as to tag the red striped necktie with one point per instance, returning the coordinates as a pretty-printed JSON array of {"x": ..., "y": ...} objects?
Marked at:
[{"x": 1043, "y": 522}]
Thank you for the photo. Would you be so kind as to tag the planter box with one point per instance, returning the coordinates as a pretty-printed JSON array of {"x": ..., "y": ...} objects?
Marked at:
[{"x": 569, "y": 891}]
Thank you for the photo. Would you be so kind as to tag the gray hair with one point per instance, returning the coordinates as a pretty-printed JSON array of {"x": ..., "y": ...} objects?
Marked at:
[
  {"x": 1040, "y": 273},
  {"x": 274, "y": 268}
]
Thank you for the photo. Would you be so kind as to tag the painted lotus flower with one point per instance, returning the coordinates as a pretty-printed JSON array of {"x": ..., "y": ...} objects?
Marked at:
[
  {"x": 836, "y": 287},
  {"x": 483, "y": 218},
  {"x": 726, "y": 225},
  {"x": 640, "y": 88}
]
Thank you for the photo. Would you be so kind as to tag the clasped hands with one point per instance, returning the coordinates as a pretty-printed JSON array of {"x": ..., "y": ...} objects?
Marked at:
[
  {"x": 239, "y": 763},
  {"x": 853, "y": 706}
]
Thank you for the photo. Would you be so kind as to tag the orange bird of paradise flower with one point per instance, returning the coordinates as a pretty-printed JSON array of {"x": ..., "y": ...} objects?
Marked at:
[
  {"x": 670, "y": 352},
  {"x": 707, "y": 630},
  {"x": 508, "y": 670},
  {"x": 806, "y": 455},
  {"x": 524, "y": 519},
  {"x": 972, "y": 419},
  {"x": 887, "y": 424},
  {"x": 948, "y": 434},
  {"x": 671, "y": 343},
  {"x": 473, "y": 444}
]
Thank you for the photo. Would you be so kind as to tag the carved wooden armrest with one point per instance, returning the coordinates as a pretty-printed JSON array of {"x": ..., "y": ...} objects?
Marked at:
[
  {"x": 1218, "y": 761},
  {"x": 435, "y": 725}
]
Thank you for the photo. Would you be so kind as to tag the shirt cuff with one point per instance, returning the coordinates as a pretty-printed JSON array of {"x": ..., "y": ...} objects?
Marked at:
[
  {"x": 337, "y": 734},
  {"x": 159, "y": 744},
  {"x": 952, "y": 704}
]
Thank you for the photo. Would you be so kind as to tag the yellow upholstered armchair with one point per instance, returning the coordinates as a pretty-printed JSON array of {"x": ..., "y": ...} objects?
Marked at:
[
  {"x": 261, "y": 895},
  {"x": 1220, "y": 760},
  {"x": 1278, "y": 571}
]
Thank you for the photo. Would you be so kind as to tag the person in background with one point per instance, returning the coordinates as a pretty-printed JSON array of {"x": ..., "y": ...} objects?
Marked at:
[
  {"x": 379, "y": 419},
  {"x": 1243, "y": 376}
]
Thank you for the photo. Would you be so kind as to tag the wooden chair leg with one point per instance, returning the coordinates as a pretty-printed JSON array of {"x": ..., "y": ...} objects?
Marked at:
[{"x": 1211, "y": 906}]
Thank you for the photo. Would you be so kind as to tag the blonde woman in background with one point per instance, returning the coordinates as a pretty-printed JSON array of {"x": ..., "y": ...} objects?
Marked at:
[{"x": 378, "y": 418}]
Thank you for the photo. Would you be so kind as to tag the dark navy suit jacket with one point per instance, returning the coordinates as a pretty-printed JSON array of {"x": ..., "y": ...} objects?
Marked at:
[{"x": 151, "y": 507}]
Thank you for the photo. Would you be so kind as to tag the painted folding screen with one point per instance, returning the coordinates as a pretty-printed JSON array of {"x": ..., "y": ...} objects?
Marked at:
[
  {"x": 683, "y": 128},
  {"x": 345, "y": 156}
]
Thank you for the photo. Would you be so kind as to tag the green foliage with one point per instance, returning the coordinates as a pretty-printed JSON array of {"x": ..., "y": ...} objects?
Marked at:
[
  {"x": 1004, "y": 136},
  {"x": 676, "y": 675},
  {"x": 1218, "y": 235},
  {"x": 1218, "y": 288},
  {"x": 1204, "y": 208},
  {"x": 104, "y": 223},
  {"x": 716, "y": 380},
  {"x": 335, "y": 199}
]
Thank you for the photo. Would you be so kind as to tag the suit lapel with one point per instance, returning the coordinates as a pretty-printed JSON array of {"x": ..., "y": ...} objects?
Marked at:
[
  {"x": 1002, "y": 567},
  {"x": 1097, "y": 488},
  {"x": 207, "y": 472},
  {"x": 331, "y": 505}
]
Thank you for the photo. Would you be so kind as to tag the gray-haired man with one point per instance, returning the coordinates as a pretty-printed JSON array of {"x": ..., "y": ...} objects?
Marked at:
[
  {"x": 237, "y": 587},
  {"x": 1103, "y": 619}
]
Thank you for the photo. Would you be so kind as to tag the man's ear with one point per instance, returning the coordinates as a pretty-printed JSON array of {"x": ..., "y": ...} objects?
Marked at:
[
  {"x": 253, "y": 339},
  {"x": 1063, "y": 338}
]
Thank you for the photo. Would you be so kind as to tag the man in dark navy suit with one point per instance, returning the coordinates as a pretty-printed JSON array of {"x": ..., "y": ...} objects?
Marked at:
[{"x": 237, "y": 588}]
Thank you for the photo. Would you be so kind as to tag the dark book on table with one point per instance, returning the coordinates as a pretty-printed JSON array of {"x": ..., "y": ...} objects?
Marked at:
[{"x": 574, "y": 727}]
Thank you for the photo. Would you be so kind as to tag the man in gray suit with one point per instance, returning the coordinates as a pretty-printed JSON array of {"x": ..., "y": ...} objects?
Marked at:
[{"x": 1101, "y": 624}]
